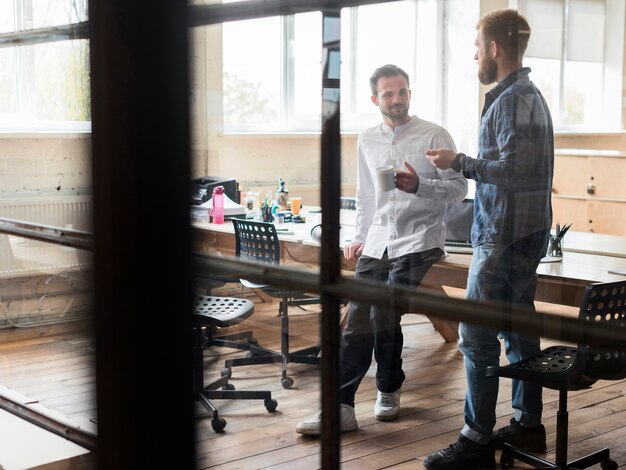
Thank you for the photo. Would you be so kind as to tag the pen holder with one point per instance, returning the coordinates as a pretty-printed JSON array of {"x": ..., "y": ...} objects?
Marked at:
[{"x": 555, "y": 247}]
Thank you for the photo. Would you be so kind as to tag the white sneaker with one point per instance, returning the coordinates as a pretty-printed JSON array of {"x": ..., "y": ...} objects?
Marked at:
[
  {"x": 387, "y": 406},
  {"x": 313, "y": 425}
]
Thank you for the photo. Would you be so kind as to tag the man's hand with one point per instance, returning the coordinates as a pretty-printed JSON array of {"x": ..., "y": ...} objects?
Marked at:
[
  {"x": 441, "y": 158},
  {"x": 407, "y": 181},
  {"x": 353, "y": 251}
]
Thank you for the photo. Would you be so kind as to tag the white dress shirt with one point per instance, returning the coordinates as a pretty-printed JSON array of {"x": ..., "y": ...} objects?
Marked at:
[{"x": 399, "y": 222}]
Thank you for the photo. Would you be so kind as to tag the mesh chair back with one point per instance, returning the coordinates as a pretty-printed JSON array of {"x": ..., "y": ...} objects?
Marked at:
[
  {"x": 256, "y": 241},
  {"x": 605, "y": 303}
]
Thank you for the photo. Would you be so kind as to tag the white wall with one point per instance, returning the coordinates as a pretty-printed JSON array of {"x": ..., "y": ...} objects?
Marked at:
[{"x": 33, "y": 165}]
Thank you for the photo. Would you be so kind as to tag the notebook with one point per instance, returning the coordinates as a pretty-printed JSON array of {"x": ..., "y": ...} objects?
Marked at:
[{"x": 458, "y": 221}]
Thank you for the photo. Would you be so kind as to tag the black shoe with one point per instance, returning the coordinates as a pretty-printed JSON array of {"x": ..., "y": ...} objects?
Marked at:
[
  {"x": 462, "y": 455},
  {"x": 528, "y": 439}
]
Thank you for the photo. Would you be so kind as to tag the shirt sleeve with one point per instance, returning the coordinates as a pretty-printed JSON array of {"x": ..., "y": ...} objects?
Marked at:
[
  {"x": 513, "y": 128},
  {"x": 451, "y": 186},
  {"x": 365, "y": 197}
]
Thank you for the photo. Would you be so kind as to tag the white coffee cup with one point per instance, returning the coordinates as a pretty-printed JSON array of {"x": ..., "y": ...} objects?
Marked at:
[{"x": 386, "y": 180}]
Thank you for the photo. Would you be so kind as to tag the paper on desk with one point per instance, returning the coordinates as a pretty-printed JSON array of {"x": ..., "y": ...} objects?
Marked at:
[{"x": 231, "y": 208}]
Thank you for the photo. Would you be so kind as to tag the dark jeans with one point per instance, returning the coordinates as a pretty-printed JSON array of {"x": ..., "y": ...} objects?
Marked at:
[{"x": 372, "y": 328}]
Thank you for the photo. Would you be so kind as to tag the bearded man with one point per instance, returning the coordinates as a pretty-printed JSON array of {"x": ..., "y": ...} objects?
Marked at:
[{"x": 512, "y": 218}]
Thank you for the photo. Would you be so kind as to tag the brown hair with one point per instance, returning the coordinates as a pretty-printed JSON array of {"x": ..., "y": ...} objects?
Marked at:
[
  {"x": 509, "y": 29},
  {"x": 388, "y": 70}
]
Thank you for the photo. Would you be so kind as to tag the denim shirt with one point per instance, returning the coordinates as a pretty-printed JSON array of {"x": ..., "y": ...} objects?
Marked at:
[{"x": 514, "y": 167}]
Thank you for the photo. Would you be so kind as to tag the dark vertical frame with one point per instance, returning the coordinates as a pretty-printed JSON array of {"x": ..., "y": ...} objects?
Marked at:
[
  {"x": 139, "y": 76},
  {"x": 330, "y": 255}
]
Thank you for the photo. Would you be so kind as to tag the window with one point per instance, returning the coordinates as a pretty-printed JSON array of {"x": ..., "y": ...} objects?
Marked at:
[
  {"x": 44, "y": 86},
  {"x": 579, "y": 72},
  {"x": 279, "y": 73}
]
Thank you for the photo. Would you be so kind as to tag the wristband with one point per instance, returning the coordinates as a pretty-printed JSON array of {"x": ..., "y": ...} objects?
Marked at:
[{"x": 457, "y": 162}]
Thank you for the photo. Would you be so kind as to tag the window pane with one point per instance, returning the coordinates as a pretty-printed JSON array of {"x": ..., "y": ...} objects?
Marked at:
[
  {"x": 378, "y": 28},
  {"x": 307, "y": 57},
  {"x": 583, "y": 94},
  {"x": 61, "y": 81},
  {"x": 252, "y": 72},
  {"x": 54, "y": 12},
  {"x": 46, "y": 85},
  {"x": 546, "y": 21},
  {"x": 7, "y": 21},
  {"x": 545, "y": 74},
  {"x": 585, "y": 17},
  {"x": 8, "y": 89}
]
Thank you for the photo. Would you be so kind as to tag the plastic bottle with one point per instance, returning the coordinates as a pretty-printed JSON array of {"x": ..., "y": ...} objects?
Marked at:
[
  {"x": 218, "y": 205},
  {"x": 281, "y": 195}
]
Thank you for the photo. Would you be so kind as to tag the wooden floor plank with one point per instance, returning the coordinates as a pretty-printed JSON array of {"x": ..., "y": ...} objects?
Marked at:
[{"x": 54, "y": 365}]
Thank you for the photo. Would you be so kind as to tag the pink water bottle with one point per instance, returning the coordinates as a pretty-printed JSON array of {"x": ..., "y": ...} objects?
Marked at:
[{"x": 218, "y": 205}]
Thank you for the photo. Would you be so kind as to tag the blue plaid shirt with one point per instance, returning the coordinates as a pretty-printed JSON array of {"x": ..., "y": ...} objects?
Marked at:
[{"x": 514, "y": 167}]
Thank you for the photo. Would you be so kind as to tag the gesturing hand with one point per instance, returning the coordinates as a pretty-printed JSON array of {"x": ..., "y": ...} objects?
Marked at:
[{"x": 441, "y": 158}]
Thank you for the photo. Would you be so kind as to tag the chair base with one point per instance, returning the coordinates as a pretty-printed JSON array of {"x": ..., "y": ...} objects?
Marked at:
[
  {"x": 220, "y": 389},
  {"x": 259, "y": 355},
  {"x": 602, "y": 457}
]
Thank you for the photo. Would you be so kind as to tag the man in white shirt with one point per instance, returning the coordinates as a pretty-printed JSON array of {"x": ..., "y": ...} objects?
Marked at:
[{"x": 399, "y": 236}]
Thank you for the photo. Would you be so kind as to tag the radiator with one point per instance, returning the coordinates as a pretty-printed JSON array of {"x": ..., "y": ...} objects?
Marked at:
[
  {"x": 62, "y": 211},
  {"x": 39, "y": 281},
  {"x": 21, "y": 255}
]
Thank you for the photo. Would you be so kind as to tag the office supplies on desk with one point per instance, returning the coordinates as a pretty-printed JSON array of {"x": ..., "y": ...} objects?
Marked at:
[
  {"x": 560, "y": 233},
  {"x": 202, "y": 189},
  {"x": 217, "y": 216},
  {"x": 555, "y": 246},
  {"x": 200, "y": 212}
]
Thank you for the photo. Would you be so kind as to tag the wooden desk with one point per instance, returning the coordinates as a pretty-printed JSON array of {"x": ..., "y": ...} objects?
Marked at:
[
  {"x": 560, "y": 283},
  {"x": 595, "y": 243}
]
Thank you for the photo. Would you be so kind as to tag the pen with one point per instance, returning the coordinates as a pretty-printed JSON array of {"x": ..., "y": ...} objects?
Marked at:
[
  {"x": 563, "y": 231},
  {"x": 558, "y": 229}
]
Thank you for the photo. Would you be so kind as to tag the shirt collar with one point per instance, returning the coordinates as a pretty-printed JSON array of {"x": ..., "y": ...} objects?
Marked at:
[
  {"x": 398, "y": 129},
  {"x": 492, "y": 95},
  {"x": 515, "y": 75}
]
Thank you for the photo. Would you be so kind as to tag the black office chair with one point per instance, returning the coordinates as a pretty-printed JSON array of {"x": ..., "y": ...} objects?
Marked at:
[
  {"x": 258, "y": 241},
  {"x": 211, "y": 313},
  {"x": 566, "y": 368}
]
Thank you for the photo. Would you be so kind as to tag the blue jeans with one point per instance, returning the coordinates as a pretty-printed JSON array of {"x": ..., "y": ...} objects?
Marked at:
[
  {"x": 377, "y": 328},
  {"x": 509, "y": 277}
]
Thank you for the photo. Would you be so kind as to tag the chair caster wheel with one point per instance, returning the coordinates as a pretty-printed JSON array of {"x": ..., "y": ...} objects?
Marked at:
[
  {"x": 226, "y": 372},
  {"x": 609, "y": 465},
  {"x": 228, "y": 387},
  {"x": 218, "y": 424},
  {"x": 287, "y": 382},
  {"x": 506, "y": 460},
  {"x": 271, "y": 405}
]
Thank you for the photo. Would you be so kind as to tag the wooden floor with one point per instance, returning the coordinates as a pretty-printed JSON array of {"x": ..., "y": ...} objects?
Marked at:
[{"x": 54, "y": 365}]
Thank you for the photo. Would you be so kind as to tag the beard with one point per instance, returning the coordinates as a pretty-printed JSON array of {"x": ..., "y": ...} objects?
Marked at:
[
  {"x": 487, "y": 70},
  {"x": 396, "y": 113}
]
